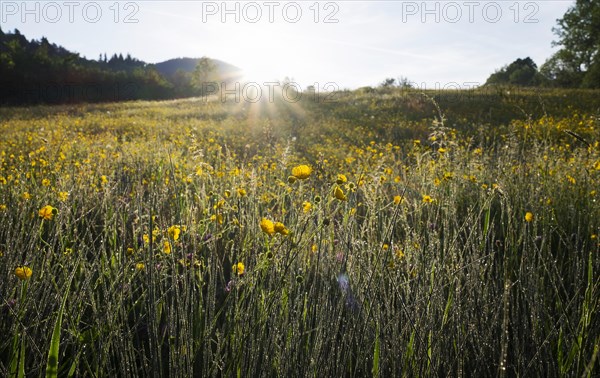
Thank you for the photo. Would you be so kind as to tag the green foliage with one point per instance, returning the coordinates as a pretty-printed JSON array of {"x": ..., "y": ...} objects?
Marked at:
[
  {"x": 521, "y": 72},
  {"x": 577, "y": 63}
]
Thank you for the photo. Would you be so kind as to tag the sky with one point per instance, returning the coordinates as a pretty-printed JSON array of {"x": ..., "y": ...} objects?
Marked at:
[{"x": 329, "y": 44}]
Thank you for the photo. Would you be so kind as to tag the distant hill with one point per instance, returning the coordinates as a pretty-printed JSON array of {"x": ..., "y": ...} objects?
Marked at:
[
  {"x": 225, "y": 70},
  {"x": 34, "y": 72}
]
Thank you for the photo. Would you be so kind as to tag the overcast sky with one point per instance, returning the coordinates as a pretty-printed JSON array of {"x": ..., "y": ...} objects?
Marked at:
[{"x": 349, "y": 43}]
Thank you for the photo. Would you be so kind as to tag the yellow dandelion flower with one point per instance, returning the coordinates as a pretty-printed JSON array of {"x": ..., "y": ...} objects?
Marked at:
[
  {"x": 23, "y": 272},
  {"x": 267, "y": 226},
  {"x": 301, "y": 172},
  {"x": 239, "y": 268},
  {"x": 281, "y": 229},
  {"x": 47, "y": 212},
  {"x": 339, "y": 194},
  {"x": 528, "y": 217}
]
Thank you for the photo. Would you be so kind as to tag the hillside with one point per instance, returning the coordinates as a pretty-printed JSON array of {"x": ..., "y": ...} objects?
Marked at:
[{"x": 169, "y": 67}]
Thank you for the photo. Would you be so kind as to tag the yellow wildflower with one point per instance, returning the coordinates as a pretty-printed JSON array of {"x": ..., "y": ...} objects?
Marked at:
[
  {"x": 174, "y": 232},
  {"x": 167, "y": 247},
  {"x": 306, "y": 206},
  {"x": 339, "y": 194},
  {"x": 280, "y": 228},
  {"x": 301, "y": 172},
  {"x": 239, "y": 268},
  {"x": 23, "y": 272},
  {"x": 529, "y": 217},
  {"x": 63, "y": 196},
  {"x": 267, "y": 226},
  {"x": 47, "y": 212},
  {"x": 341, "y": 179},
  {"x": 427, "y": 199}
]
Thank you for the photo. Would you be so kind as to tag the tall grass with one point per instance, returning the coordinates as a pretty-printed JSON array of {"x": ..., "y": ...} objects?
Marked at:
[{"x": 429, "y": 267}]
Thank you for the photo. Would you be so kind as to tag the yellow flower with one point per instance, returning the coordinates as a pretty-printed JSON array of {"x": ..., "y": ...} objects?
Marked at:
[
  {"x": 267, "y": 226},
  {"x": 63, "y": 196},
  {"x": 280, "y": 228},
  {"x": 339, "y": 194},
  {"x": 341, "y": 179},
  {"x": 26, "y": 196},
  {"x": 140, "y": 266},
  {"x": 397, "y": 200},
  {"x": 442, "y": 150},
  {"x": 103, "y": 179},
  {"x": 306, "y": 206},
  {"x": 48, "y": 212},
  {"x": 167, "y": 247},
  {"x": 528, "y": 217},
  {"x": 46, "y": 182},
  {"x": 241, "y": 192},
  {"x": 174, "y": 232},
  {"x": 239, "y": 268},
  {"x": 427, "y": 199},
  {"x": 227, "y": 194},
  {"x": 23, "y": 272},
  {"x": 301, "y": 171},
  {"x": 130, "y": 251},
  {"x": 2, "y": 207}
]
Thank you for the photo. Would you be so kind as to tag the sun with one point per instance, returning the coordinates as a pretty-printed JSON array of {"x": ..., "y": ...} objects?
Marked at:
[{"x": 264, "y": 52}]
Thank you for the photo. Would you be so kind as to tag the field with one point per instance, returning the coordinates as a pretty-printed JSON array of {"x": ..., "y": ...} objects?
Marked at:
[{"x": 376, "y": 233}]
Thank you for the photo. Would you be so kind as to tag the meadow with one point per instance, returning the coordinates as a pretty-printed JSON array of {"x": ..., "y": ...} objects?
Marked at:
[{"x": 379, "y": 232}]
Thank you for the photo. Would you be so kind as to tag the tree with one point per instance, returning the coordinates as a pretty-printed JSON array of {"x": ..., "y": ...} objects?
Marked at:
[
  {"x": 577, "y": 62},
  {"x": 204, "y": 73},
  {"x": 521, "y": 72}
]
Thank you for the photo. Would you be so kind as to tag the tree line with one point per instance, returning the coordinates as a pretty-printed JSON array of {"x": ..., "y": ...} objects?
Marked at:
[
  {"x": 33, "y": 71},
  {"x": 575, "y": 65}
]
